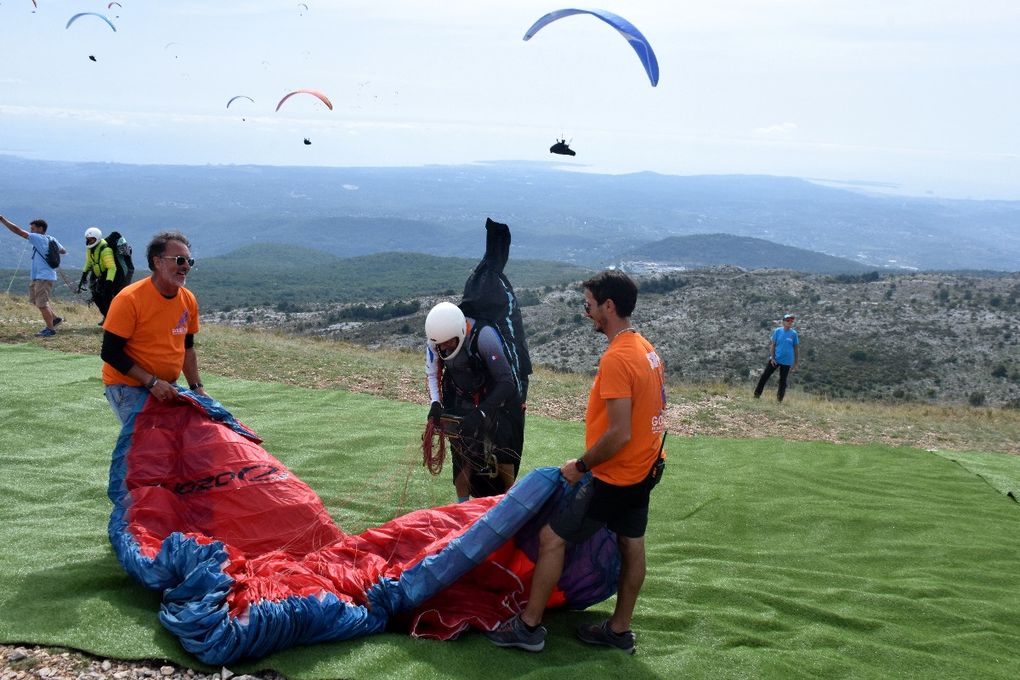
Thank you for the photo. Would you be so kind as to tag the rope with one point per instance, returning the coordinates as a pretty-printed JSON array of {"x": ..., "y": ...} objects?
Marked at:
[
  {"x": 17, "y": 268},
  {"x": 433, "y": 448}
]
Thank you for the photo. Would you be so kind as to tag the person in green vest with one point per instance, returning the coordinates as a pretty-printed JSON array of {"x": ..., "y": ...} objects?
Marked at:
[{"x": 100, "y": 270}]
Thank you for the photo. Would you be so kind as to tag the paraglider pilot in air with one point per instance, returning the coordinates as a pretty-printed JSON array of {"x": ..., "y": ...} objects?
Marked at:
[
  {"x": 562, "y": 148},
  {"x": 469, "y": 376}
]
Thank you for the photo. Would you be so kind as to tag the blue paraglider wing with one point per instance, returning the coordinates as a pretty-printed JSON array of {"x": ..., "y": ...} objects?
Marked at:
[
  {"x": 628, "y": 30},
  {"x": 90, "y": 14}
]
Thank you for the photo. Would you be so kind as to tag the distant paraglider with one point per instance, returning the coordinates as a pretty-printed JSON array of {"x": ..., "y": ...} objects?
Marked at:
[
  {"x": 562, "y": 148},
  {"x": 630, "y": 32},
  {"x": 308, "y": 142},
  {"x": 92, "y": 57},
  {"x": 240, "y": 96},
  {"x": 315, "y": 93},
  {"x": 90, "y": 14}
]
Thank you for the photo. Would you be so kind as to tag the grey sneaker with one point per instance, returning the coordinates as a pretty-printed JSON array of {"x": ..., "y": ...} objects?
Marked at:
[
  {"x": 513, "y": 633},
  {"x": 602, "y": 634}
]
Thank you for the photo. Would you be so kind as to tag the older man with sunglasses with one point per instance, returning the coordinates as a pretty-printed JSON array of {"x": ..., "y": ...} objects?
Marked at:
[{"x": 149, "y": 332}]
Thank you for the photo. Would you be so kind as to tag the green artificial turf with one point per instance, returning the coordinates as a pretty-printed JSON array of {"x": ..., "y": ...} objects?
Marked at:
[{"x": 766, "y": 559}]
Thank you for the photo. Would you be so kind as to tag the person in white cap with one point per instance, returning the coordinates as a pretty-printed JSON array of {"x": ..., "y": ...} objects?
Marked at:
[{"x": 784, "y": 354}]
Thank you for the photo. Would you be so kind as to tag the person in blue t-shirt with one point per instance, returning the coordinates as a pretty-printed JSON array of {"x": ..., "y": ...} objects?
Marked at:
[
  {"x": 783, "y": 354},
  {"x": 43, "y": 276}
]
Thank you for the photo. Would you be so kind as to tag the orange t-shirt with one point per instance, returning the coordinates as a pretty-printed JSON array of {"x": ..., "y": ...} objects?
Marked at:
[
  {"x": 154, "y": 327},
  {"x": 629, "y": 368}
]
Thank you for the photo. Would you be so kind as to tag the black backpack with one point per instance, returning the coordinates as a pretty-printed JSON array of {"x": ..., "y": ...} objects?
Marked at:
[
  {"x": 52, "y": 256},
  {"x": 122, "y": 256},
  {"x": 489, "y": 298}
]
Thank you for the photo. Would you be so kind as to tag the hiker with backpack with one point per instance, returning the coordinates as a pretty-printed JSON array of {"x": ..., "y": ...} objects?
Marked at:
[
  {"x": 108, "y": 267},
  {"x": 46, "y": 252}
]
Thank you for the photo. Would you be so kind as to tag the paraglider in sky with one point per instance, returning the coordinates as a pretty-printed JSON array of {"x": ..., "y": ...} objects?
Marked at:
[
  {"x": 112, "y": 4},
  {"x": 92, "y": 58},
  {"x": 562, "y": 148},
  {"x": 303, "y": 6},
  {"x": 315, "y": 93},
  {"x": 90, "y": 14},
  {"x": 630, "y": 32},
  {"x": 239, "y": 96},
  {"x": 247, "y": 560},
  {"x": 308, "y": 142}
]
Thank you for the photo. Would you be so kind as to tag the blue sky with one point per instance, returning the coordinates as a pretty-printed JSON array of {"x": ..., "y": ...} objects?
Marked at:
[{"x": 922, "y": 96}]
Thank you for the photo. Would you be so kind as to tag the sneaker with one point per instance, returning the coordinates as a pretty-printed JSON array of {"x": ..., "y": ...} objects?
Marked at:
[
  {"x": 602, "y": 634},
  {"x": 57, "y": 320},
  {"x": 46, "y": 333},
  {"x": 513, "y": 633}
]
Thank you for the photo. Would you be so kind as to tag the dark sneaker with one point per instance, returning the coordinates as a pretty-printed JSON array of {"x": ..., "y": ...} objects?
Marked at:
[
  {"x": 602, "y": 634},
  {"x": 513, "y": 633},
  {"x": 57, "y": 320},
  {"x": 46, "y": 333}
]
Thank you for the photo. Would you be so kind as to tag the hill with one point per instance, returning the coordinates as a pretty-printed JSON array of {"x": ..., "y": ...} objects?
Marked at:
[
  {"x": 707, "y": 250},
  {"x": 924, "y": 337},
  {"x": 582, "y": 218},
  {"x": 291, "y": 277}
]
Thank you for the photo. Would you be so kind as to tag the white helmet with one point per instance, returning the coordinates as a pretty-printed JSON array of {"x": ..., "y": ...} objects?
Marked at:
[
  {"x": 93, "y": 232},
  {"x": 444, "y": 322}
]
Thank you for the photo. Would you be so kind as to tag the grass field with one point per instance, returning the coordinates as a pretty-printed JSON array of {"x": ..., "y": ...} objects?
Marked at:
[{"x": 767, "y": 558}]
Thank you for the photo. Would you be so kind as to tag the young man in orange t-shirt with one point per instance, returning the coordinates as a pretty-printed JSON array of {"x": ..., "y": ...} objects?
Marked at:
[
  {"x": 149, "y": 332},
  {"x": 624, "y": 430}
]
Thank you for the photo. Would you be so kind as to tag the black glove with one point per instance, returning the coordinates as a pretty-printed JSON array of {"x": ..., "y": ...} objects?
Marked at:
[
  {"x": 81, "y": 284},
  {"x": 435, "y": 411},
  {"x": 473, "y": 423}
]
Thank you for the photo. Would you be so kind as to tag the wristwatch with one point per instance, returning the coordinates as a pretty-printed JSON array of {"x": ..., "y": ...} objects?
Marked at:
[
  {"x": 152, "y": 381},
  {"x": 581, "y": 466}
]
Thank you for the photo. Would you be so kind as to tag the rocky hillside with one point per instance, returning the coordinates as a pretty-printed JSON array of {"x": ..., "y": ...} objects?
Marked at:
[{"x": 940, "y": 338}]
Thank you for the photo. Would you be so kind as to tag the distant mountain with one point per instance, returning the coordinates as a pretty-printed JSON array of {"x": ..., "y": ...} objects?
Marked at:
[
  {"x": 583, "y": 218},
  {"x": 708, "y": 250},
  {"x": 283, "y": 275}
]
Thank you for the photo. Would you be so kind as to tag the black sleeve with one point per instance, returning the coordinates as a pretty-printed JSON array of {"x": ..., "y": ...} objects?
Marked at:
[
  {"x": 113, "y": 352},
  {"x": 189, "y": 341}
]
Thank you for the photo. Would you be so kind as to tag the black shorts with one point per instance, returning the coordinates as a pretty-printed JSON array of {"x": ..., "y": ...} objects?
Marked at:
[{"x": 623, "y": 509}]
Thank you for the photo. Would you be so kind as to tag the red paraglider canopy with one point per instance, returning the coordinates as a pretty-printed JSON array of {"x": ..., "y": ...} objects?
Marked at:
[{"x": 314, "y": 93}]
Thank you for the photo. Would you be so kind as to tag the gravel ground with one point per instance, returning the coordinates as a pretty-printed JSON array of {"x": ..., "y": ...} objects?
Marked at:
[{"x": 54, "y": 663}]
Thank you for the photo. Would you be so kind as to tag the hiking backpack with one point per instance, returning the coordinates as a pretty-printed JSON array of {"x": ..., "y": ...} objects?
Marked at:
[{"x": 52, "y": 256}]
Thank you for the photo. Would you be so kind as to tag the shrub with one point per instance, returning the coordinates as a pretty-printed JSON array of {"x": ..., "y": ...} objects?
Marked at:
[{"x": 976, "y": 398}]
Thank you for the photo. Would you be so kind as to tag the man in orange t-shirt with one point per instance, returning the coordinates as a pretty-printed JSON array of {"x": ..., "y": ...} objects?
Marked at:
[
  {"x": 149, "y": 332},
  {"x": 624, "y": 431}
]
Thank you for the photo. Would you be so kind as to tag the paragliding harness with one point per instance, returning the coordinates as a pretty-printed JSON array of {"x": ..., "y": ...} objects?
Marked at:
[
  {"x": 52, "y": 255},
  {"x": 122, "y": 256},
  {"x": 489, "y": 299}
]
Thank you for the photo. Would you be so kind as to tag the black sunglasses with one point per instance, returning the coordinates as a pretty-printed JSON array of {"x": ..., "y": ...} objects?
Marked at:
[{"x": 178, "y": 259}]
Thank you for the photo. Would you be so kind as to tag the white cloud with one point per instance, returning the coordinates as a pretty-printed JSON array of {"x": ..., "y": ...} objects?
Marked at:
[{"x": 777, "y": 131}]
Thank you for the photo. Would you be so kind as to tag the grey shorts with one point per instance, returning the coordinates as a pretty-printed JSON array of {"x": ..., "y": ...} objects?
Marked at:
[
  {"x": 39, "y": 292},
  {"x": 622, "y": 509}
]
